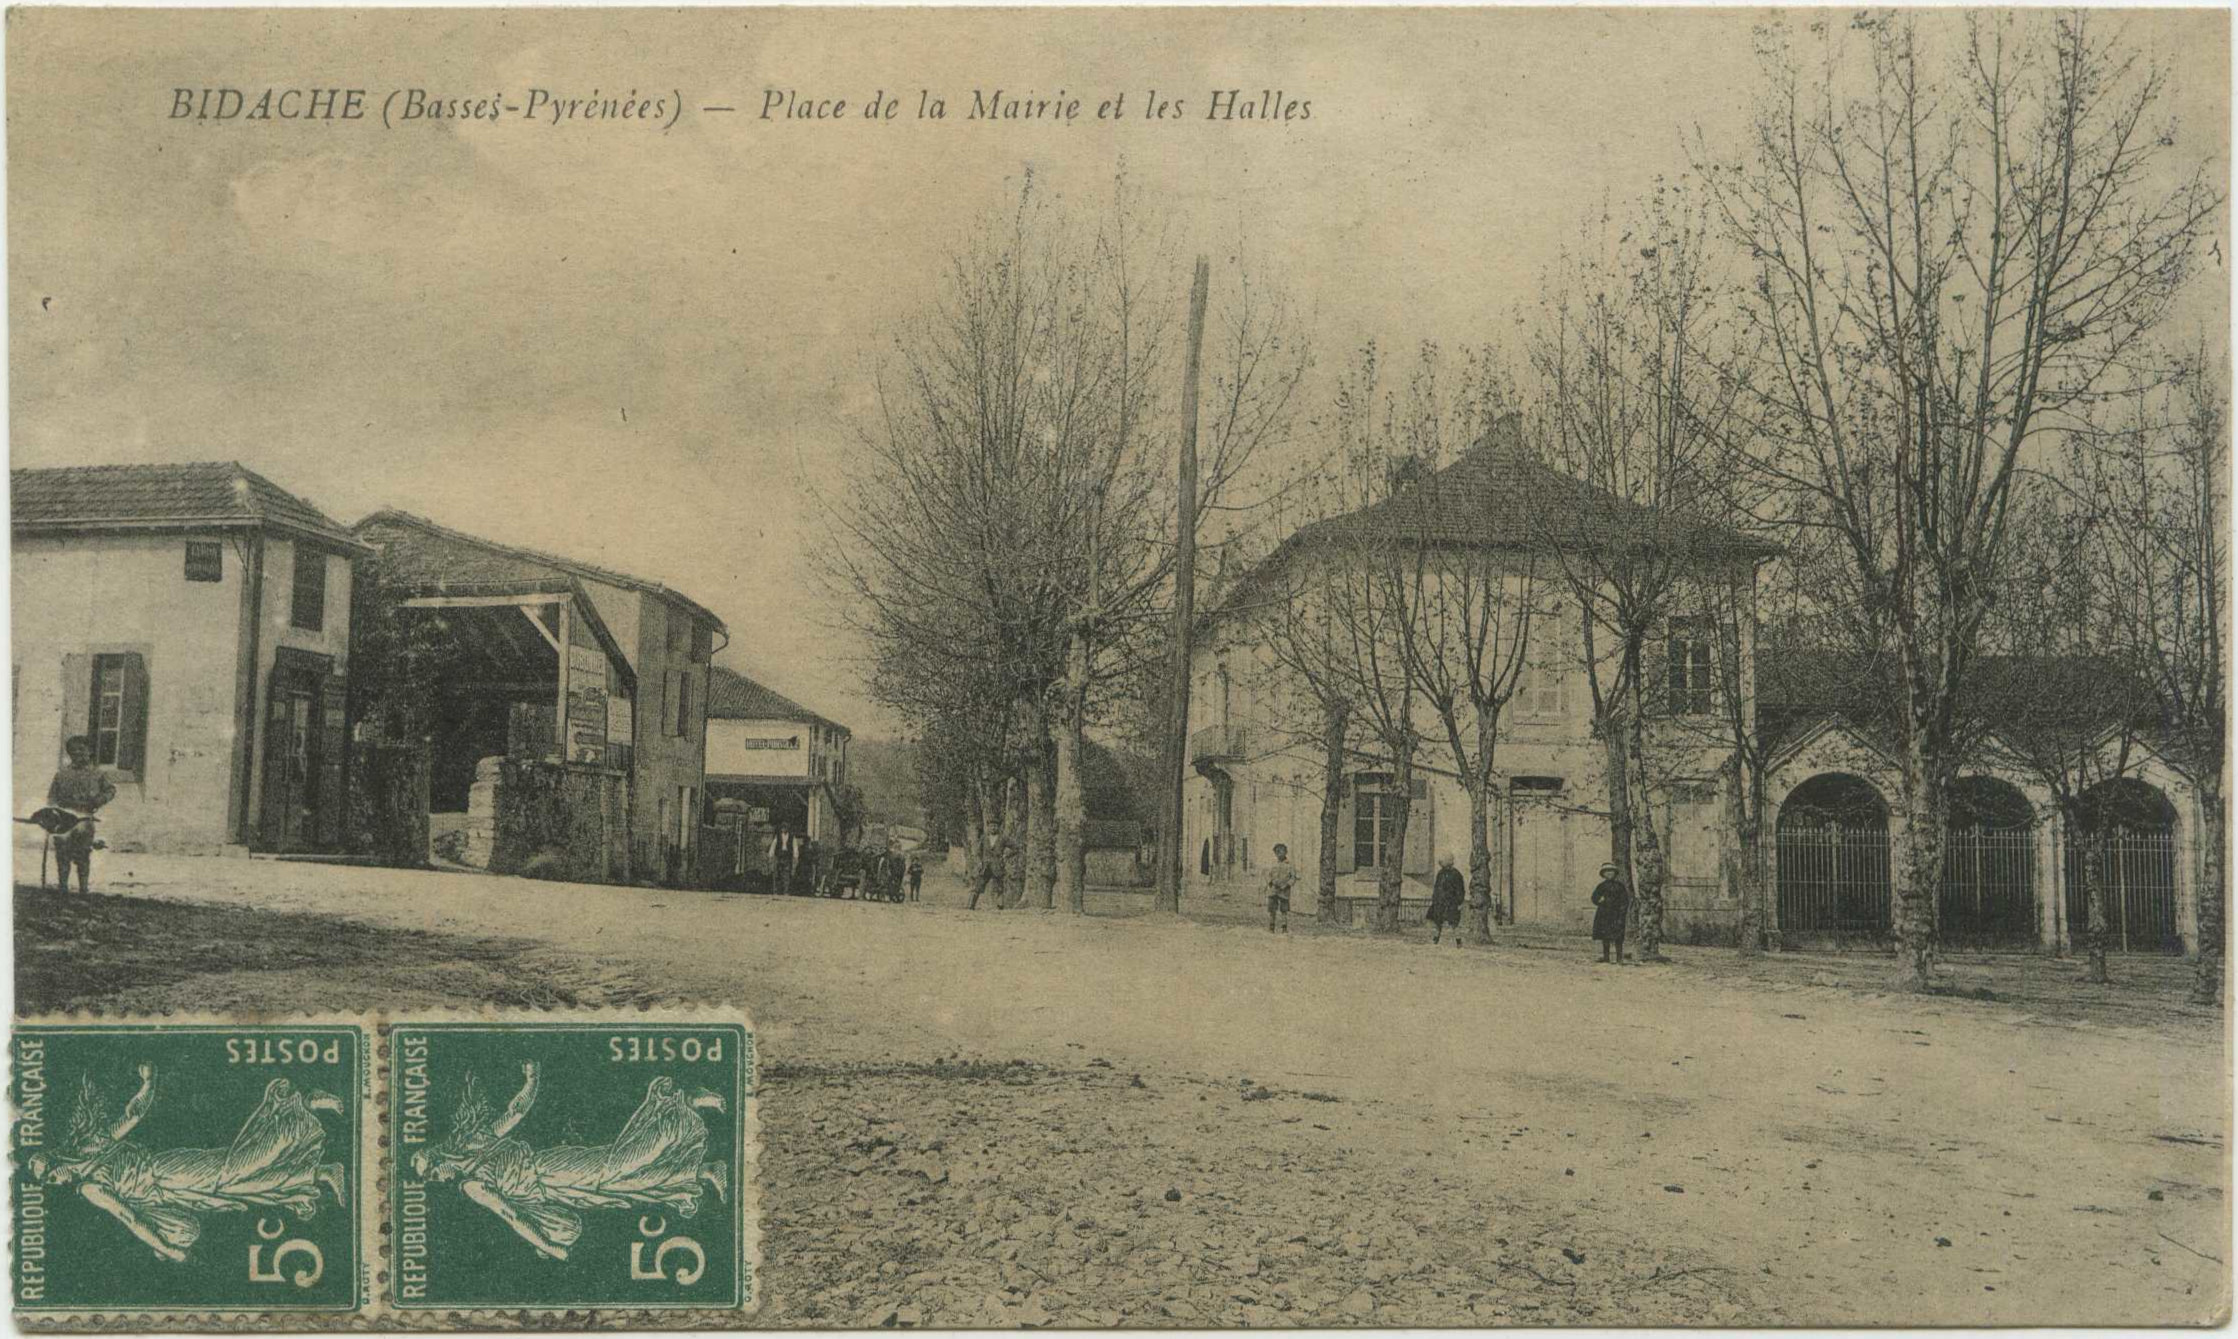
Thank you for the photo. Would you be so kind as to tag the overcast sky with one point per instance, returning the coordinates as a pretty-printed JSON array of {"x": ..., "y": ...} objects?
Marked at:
[{"x": 645, "y": 348}]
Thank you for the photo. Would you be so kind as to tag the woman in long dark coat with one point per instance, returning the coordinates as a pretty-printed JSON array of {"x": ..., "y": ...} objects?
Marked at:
[
  {"x": 1445, "y": 902},
  {"x": 1611, "y": 899}
]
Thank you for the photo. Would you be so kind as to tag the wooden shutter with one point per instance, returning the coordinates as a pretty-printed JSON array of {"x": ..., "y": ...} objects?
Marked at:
[
  {"x": 1348, "y": 814},
  {"x": 77, "y": 701},
  {"x": 1422, "y": 830},
  {"x": 132, "y": 723},
  {"x": 334, "y": 711}
]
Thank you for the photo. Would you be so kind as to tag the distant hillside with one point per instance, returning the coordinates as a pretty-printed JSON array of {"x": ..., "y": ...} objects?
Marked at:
[{"x": 887, "y": 772}]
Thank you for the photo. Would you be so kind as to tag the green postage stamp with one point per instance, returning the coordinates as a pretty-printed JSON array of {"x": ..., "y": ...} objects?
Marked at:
[
  {"x": 188, "y": 1168},
  {"x": 559, "y": 1162}
]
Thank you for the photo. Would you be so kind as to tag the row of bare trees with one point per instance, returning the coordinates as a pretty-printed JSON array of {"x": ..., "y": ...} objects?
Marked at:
[
  {"x": 1897, "y": 364},
  {"x": 1007, "y": 548}
]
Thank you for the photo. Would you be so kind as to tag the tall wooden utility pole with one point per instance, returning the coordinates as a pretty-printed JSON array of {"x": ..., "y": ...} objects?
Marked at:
[{"x": 1184, "y": 611}]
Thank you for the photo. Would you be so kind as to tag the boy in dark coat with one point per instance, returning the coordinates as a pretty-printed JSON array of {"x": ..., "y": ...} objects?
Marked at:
[
  {"x": 1446, "y": 895},
  {"x": 1611, "y": 899}
]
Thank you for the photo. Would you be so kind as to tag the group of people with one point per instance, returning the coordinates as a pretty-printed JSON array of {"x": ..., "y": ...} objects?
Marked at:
[
  {"x": 794, "y": 866},
  {"x": 1611, "y": 902}
]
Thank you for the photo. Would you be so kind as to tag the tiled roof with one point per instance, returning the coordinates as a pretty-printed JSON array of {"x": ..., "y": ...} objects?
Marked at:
[
  {"x": 104, "y": 497},
  {"x": 1497, "y": 494},
  {"x": 732, "y": 696},
  {"x": 438, "y": 556}
]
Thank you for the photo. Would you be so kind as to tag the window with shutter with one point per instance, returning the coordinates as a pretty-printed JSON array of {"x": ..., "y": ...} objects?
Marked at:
[
  {"x": 117, "y": 711},
  {"x": 1688, "y": 654},
  {"x": 307, "y": 610},
  {"x": 205, "y": 560}
]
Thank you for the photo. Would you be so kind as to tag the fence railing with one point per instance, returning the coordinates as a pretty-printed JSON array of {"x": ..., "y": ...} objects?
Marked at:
[
  {"x": 1219, "y": 743},
  {"x": 1833, "y": 883},
  {"x": 2138, "y": 887},
  {"x": 1988, "y": 897}
]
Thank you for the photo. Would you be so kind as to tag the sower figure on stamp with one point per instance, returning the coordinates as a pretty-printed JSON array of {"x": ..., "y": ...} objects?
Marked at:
[
  {"x": 1281, "y": 881},
  {"x": 78, "y": 791},
  {"x": 656, "y": 1161},
  {"x": 273, "y": 1162},
  {"x": 1611, "y": 900},
  {"x": 1446, "y": 896}
]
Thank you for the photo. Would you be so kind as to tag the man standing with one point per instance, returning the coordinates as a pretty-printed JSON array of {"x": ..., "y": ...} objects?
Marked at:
[
  {"x": 916, "y": 877},
  {"x": 79, "y": 790},
  {"x": 781, "y": 862},
  {"x": 1281, "y": 879},
  {"x": 1611, "y": 900},
  {"x": 1445, "y": 901}
]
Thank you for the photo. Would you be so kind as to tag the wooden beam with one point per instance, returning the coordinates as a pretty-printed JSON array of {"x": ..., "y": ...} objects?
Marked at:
[
  {"x": 546, "y": 634},
  {"x": 479, "y": 601},
  {"x": 566, "y": 613}
]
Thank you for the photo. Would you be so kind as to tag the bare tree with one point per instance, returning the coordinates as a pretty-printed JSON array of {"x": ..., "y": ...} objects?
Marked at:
[
  {"x": 1633, "y": 403},
  {"x": 1468, "y": 646},
  {"x": 1958, "y": 232},
  {"x": 2155, "y": 491}
]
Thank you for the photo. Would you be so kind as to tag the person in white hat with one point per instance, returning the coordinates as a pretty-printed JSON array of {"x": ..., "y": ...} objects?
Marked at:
[{"x": 1611, "y": 899}]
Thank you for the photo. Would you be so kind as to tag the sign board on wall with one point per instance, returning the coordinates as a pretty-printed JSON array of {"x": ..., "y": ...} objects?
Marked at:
[{"x": 587, "y": 705}]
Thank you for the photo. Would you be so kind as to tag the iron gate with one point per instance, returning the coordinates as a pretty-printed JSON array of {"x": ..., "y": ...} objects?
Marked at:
[
  {"x": 1988, "y": 897},
  {"x": 2140, "y": 892},
  {"x": 1833, "y": 882}
]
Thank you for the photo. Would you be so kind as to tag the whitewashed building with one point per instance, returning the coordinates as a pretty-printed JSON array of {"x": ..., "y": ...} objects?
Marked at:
[{"x": 193, "y": 623}]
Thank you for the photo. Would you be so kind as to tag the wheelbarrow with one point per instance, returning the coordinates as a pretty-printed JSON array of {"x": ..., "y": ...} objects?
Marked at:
[{"x": 56, "y": 822}]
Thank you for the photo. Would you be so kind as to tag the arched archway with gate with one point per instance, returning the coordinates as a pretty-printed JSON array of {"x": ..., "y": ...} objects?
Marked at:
[
  {"x": 2124, "y": 835},
  {"x": 1988, "y": 897},
  {"x": 1833, "y": 871}
]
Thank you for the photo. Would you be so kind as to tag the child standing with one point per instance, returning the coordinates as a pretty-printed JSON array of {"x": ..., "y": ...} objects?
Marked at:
[
  {"x": 78, "y": 789},
  {"x": 1280, "y": 881}
]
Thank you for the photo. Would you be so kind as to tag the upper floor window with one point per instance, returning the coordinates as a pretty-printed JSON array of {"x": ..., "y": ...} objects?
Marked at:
[
  {"x": 1542, "y": 689},
  {"x": 307, "y": 610},
  {"x": 205, "y": 560},
  {"x": 1688, "y": 661}
]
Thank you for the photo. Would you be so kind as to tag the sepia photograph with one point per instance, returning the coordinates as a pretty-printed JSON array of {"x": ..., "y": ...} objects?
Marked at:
[{"x": 907, "y": 667}]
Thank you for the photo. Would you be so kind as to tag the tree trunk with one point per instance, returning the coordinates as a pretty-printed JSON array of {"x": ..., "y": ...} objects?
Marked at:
[
  {"x": 2209, "y": 903},
  {"x": 1620, "y": 800},
  {"x": 1391, "y": 875},
  {"x": 1480, "y": 860},
  {"x": 1013, "y": 842},
  {"x": 1650, "y": 870},
  {"x": 1919, "y": 866},
  {"x": 1335, "y": 722},
  {"x": 1746, "y": 799},
  {"x": 979, "y": 866},
  {"x": 1072, "y": 803},
  {"x": 2094, "y": 910},
  {"x": 1041, "y": 822}
]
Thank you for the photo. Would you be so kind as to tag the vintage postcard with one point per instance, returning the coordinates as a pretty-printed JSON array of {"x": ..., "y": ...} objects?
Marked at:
[{"x": 1308, "y": 667}]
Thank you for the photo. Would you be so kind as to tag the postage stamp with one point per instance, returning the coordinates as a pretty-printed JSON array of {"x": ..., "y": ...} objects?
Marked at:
[
  {"x": 541, "y": 1161},
  {"x": 188, "y": 1167}
]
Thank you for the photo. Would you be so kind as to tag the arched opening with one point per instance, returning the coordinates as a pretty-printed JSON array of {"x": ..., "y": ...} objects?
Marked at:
[
  {"x": 1832, "y": 841},
  {"x": 1988, "y": 897},
  {"x": 2123, "y": 837}
]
